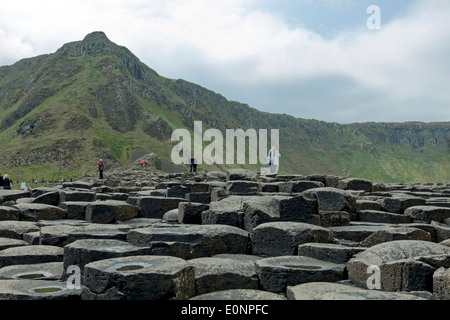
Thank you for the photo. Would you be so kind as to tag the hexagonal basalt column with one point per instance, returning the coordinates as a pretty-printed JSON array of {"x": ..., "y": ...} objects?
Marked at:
[
  {"x": 139, "y": 278},
  {"x": 216, "y": 274},
  {"x": 283, "y": 238},
  {"x": 40, "y": 271},
  {"x": 275, "y": 274},
  {"x": 37, "y": 290},
  {"x": 82, "y": 252},
  {"x": 404, "y": 265},
  {"x": 191, "y": 241},
  {"x": 30, "y": 255}
]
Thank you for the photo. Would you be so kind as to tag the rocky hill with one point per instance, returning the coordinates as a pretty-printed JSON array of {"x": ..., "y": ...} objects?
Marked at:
[{"x": 91, "y": 99}]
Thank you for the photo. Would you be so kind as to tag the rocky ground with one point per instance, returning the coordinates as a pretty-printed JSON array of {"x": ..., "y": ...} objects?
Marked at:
[{"x": 139, "y": 234}]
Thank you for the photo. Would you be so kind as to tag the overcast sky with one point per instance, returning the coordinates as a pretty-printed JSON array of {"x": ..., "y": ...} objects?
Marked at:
[{"x": 313, "y": 59}]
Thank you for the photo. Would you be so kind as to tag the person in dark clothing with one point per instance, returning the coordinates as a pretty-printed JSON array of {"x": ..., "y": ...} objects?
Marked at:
[
  {"x": 193, "y": 164},
  {"x": 101, "y": 166},
  {"x": 7, "y": 184}
]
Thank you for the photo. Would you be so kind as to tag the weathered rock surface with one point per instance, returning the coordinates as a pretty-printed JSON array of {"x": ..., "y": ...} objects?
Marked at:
[
  {"x": 191, "y": 241},
  {"x": 30, "y": 255},
  {"x": 218, "y": 274},
  {"x": 336, "y": 291},
  {"x": 277, "y": 273},
  {"x": 40, "y": 271},
  {"x": 37, "y": 290},
  {"x": 283, "y": 238},
  {"x": 401, "y": 268},
  {"x": 110, "y": 211},
  {"x": 226, "y": 235},
  {"x": 240, "y": 295},
  {"x": 82, "y": 252},
  {"x": 39, "y": 211},
  {"x": 139, "y": 278}
]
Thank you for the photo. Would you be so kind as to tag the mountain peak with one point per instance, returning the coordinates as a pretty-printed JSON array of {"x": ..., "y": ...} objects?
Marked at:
[
  {"x": 94, "y": 44},
  {"x": 96, "y": 36}
]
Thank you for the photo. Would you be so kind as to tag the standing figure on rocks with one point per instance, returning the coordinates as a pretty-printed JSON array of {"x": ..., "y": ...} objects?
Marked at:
[
  {"x": 193, "y": 164},
  {"x": 274, "y": 156},
  {"x": 7, "y": 184},
  {"x": 101, "y": 165}
]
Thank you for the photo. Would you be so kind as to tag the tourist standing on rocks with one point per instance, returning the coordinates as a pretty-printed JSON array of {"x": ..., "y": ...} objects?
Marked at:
[
  {"x": 7, "y": 184},
  {"x": 101, "y": 166},
  {"x": 194, "y": 163},
  {"x": 274, "y": 156}
]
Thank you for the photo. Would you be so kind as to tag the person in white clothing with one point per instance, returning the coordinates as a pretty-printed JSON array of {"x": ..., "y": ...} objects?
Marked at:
[{"x": 274, "y": 159}]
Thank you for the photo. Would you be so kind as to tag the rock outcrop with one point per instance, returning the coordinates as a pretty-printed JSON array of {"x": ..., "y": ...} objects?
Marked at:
[{"x": 234, "y": 235}]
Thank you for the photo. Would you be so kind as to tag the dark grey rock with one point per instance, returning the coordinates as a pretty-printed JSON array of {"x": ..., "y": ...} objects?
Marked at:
[
  {"x": 191, "y": 241},
  {"x": 227, "y": 217},
  {"x": 333, "y": 199},
  {"x": 398, "y": 204},
  {"x": 362, "y": 204},
  {"x": 427, "y": 213},
  {"x": 75, "y": 210},
  {"x": 328, "y": 252},
  {"x": 139, "y": 278},
  {"x": 395, "y": 234},
  {"x": 56, "y": 235},
  {"x": 217, "y": 274},
  {"x": 77, "y": 196},
  {"x": 37, "y": 290},
  {"x": 441, "y": 283},
  {"x": 283, "y": 238},
  {"x": 84, "y": 233},
  {"x": 110, "y": 211},
  {"x": 38, "y": 211},
  {"x": 240, "y": 295},
  {"x": 16, "y": 229},
  {"x": 442, "y": 231},
  {"x": 355, "y": 184},
  {"x": 337, "y": 291},
  {"x": 9, "y": 213},
  {"x": 399, "y": 268},
  {"x": 240, "y": 174},
  {"x": 12, "y": 195},
  {"x": 279, "y": 208},
  {"x": 277, "y": 273},
  {"x": 241, "y": 187},
  {"x": 51, "y": 198},
  {"x": 334, "y": 218},
  {"x": 82, "y": 252},
  {"x": 382, "y": 217},
  {"x": 6, "y": 243},
  {"x": 199, "y": 197},
  {"x": 30, "y": 255},
  {"x": 298, "y": 186},
  {"x": 191, "y": 213},
  {"x": 154, "y": 207},
  {"x": 40, "y": 271}
]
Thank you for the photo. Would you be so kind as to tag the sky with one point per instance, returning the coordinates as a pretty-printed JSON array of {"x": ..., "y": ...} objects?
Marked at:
[{"x": 312, "y": 59}]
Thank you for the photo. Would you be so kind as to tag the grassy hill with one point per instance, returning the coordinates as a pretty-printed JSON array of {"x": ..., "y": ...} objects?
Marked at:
[{"x": 91, "y": 99}]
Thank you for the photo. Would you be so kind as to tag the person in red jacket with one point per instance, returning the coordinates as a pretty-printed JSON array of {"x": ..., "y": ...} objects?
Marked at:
[{"x": 101, "y": 165}]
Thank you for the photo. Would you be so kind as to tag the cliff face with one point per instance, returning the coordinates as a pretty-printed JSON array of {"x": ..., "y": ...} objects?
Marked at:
[{"x": 94, "y": 99}]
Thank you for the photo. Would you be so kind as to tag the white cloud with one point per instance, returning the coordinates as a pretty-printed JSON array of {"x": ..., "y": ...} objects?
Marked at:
[{"x": 258, "y": 58}]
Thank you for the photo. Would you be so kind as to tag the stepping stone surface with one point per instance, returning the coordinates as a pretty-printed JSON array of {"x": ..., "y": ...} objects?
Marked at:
[
  {"x": 139, "y": 278},
  {"x": 275, "y": 274}
]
